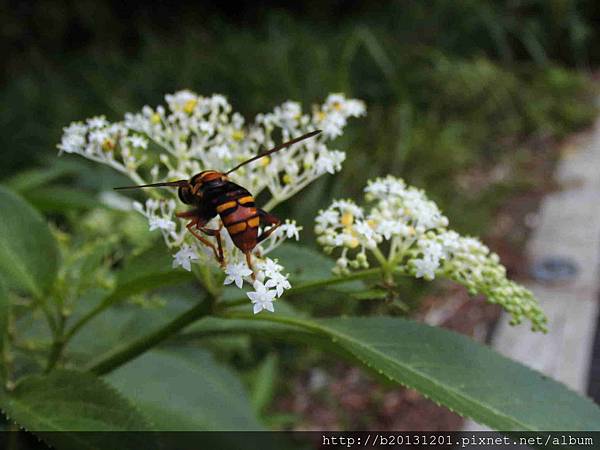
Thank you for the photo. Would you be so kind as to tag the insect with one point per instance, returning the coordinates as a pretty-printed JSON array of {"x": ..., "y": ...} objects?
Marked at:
[{"x": 210, "y": 193}]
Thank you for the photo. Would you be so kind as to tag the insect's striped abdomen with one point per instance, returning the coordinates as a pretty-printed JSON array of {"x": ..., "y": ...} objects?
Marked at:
[{"x": 238, "y": 212}]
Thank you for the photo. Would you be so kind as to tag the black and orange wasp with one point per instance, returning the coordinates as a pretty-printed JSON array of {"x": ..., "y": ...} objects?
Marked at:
[{"x": 210, "y": 193}]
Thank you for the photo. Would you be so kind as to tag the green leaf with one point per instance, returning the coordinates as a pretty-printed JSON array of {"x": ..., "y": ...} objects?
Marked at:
[
  {"x": 463, "y": 375},
  {"x": 186, "y": 390},
  {"x": 122, "y": 324},
  {"x": 265, "y": 380},
  {"x": 67, "y": 400},
  {"x": 148, "y": 266},
  {"x": 149, "y": 270},
  {"x": 28, "y": 252},
  {"x": 451, "y": 369},
  {"x": 305, "y": 265},
  {"x": 4, "y": 312},
  {"x": 31, "y": 179},
  {"x": 60, "y": 199}
]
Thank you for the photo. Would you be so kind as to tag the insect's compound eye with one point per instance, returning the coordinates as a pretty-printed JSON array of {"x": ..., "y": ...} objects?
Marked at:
[{"x": 185, "y": 195}]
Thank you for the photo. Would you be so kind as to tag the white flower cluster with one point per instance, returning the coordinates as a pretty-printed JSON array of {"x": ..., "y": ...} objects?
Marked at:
[
  {"x": 405, "y": 232},
  {"x": 192, "y": 133}
]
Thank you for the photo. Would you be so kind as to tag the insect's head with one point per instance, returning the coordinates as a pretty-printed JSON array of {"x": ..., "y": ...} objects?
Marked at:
[{"x": 185, "y": 194}]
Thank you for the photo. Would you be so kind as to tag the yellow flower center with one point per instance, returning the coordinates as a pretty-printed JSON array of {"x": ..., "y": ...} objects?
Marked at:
[
  {"x": 288, "y": 179},
  {"x": 108, "y": 145},
  {"x": 265, "y": 161},
  {"x": 347, "y": 219},
  {"x": 189, "y": 106},
  {"x": 238, "y": 135},
  {"x": 353, "y": 243},
  {"x": 155, "y": 118}
]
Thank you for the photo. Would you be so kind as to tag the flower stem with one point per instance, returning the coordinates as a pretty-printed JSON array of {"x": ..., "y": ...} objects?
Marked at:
[
  {"x": 368, "y": 273},
  {"x": 122, "y": 355},
  {"x": 58, "y": 344},
  {"x": 385, "y": 265},
  {"x": 130, "y": 351}
]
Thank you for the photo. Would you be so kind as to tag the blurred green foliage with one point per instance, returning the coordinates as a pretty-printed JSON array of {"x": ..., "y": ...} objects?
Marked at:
[{"x": 449, "y": 85}]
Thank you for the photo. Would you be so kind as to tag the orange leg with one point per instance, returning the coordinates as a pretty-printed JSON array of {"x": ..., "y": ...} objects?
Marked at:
[
  {"x": 188, "y": 214},
  {"x": 249, "y": 262},
  {"x": 194, "y": 223},
  {"x": 217, "y": 234},
  {"x": 198, "y": 221},
  {"x": 268, "y": 219}
]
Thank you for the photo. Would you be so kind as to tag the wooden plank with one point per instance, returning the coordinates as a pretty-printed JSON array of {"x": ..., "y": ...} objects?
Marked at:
[{"x": 569, "y": 227}]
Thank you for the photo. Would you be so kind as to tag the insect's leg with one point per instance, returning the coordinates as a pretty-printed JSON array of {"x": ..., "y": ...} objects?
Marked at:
[
  {"x": 267, "y": 219},
  {"x": 194, "y": 223},
  {"x": 250, "y": 266},
  {"x": 187, "y": 214},
  {"x": 217, "y": 234}
]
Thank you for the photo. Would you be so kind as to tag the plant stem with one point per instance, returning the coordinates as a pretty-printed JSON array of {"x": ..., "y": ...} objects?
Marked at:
[
  {"x": 104, "y": 304},
  {"x": 49, "y": 318},
  {"x": 130, "y": 351},
  {"x": 124, "y": 354},
  {"x": 315, "y": 284},
  {"x": 116, "y": 296},
  {"x": 55, "y": 353},
  {"x": 58, "y": 344},
  {"x": 295, "y": 321},
  {"x": 7, "y": 355},
  {"x": 385, "y": 265},
  {"x": 207, "y": 280}
]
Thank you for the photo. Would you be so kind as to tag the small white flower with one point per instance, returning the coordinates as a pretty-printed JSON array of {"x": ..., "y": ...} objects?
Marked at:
[
  {"x": 236, "y": 273},
  {"x": 327, "y": 218},
  {"x": 333, "y": 125},
  {"x": 431, "y": 250},
  {"x": 262, "y": 297},
  {"x": 426, "y": 268},
  {"x": 355, "y": 108},
  {"x": 279, "y": 282},
  {"x": 290, "y": 229},
  {"x": 270, "y": 267},
  {"x": 184, "y": 257},
  {"x": 325, "y": 164},
  {"x": 99, "y": 136},
  {"x": 71, "y": 143},
  {"x": 221, "y": 152},
  {"x": 138, "y": 141},
  {"x": 364, "y": 229},
  {"x": 97, "y": 122},
  {"x": 348, "y": 206},
  {"x": 161, "y": 223}
]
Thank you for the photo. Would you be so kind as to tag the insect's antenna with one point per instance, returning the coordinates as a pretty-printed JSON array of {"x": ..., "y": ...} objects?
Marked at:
[
  {"x": 169, "y": 183},
  {"x": 275, "y": 149}
]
